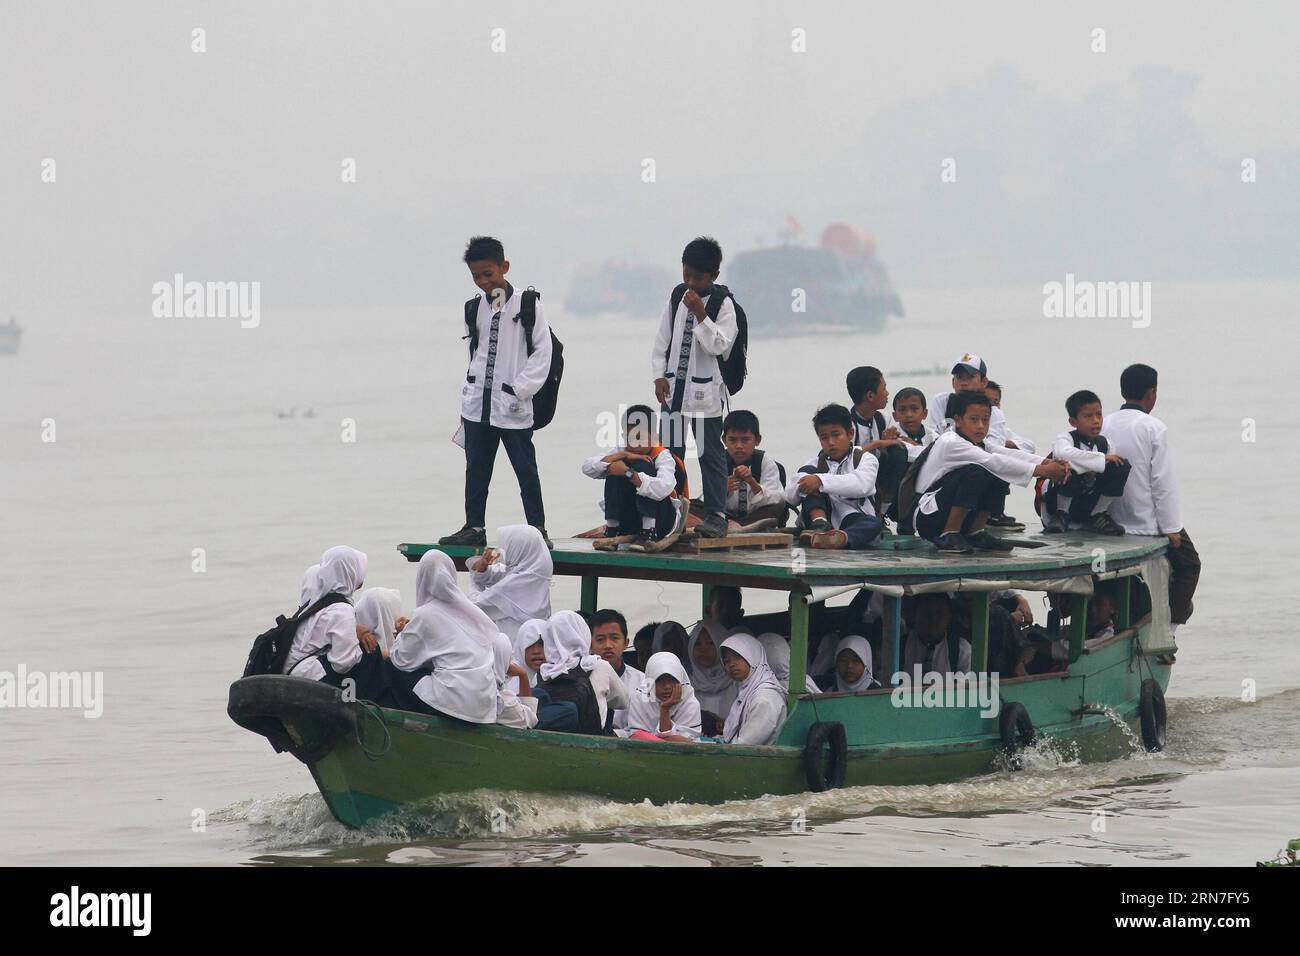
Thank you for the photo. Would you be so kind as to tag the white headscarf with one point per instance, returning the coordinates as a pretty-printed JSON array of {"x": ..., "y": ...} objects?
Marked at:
[
  {"x": 708, "y": 680},
  {"x": 643, "y": 705},
  {"x": 530, "y": 632},
  {"x": 860, "y": 647},
  {"x": 379, "y": 609},
  {"x": 567, "y": 640},
  {"x": 778, "y": 656},
  {"x": 462, "y": 679},
  {"x": 501, "y": 656},
  {"x": 526, "y": 584},
  {"x": 342, "y": 570},
  {"x": 310, "y": 579},
  {"x": 435, "y": 582},
  {"x": 760, "y": 676}
]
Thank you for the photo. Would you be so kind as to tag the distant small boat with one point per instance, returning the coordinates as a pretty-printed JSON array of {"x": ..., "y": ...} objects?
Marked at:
[{"x": 11, "y": 336}]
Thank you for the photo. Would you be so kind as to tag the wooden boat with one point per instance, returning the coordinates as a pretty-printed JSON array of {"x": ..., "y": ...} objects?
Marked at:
[{"x": 369, "y": 761}]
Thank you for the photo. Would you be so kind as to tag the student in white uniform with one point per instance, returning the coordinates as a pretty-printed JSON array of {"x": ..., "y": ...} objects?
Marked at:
[
  {"x": 516, "y": 706},
  {"x": 570, "y": 663},
  {"x": 755, "y": 489},
  {"x": 327, "y": 645},
  {"x": 442, "y": 663},
  {"x": 759, "y": 709},
  {"x": 872, "y": 433},
  {"x": 931, "y": 642},
  {"x": 642, "y": 481},
  {"x": 910, "y": 414},
  {"x": 1150, "y": 501},
  {"x": 963, "y": 479},
  {"x": 310, "y": 580},
  {"x": 853, "y": 666},
  {"x": 833, "y": 491},
  {"x": 664, "y": 706},
  {"x": 379, "y": 611},
  {"x": 697, "y": 328},
  {"x": 714, "y": 688},
  {"x": 528, "y": 648},
  {"x": 1097, "y": 475},
  {"x": 608, "y": 642},
  {"x": 513, "y": 585},
  {"x": 777, "y": 649},
  {"x": 509, "y": 368}
]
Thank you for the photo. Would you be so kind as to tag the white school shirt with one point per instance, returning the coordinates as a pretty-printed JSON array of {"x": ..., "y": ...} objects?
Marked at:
[
  {"x": 939, "y": 422},
  {"x": 512, "y": 367},
  {"x": 1023, "y": 443},
  {"x": 656, "y": 488},
  {"x": 610, "y": 692},
  {"x": 927, "y": 436},
  {"x": 864, "y": 429},
  {"x": 1150, "y": 501},
  {"x": 1080, "y": 459},
  {"x": 850, "y": 489},
  {"x": 951, "y": 451},
  {"x": 332, "y": 628},
  {"x": 770, "y": 491},
  {"x": 705, "y": 391},
  {"x": 631, "y": 678},
  {"x": 763, "y": 718},
  {"x": 915, "y": 650}
]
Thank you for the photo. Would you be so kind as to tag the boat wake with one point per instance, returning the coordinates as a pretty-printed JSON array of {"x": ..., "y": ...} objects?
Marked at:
[{"x": 1204, "y": 732}]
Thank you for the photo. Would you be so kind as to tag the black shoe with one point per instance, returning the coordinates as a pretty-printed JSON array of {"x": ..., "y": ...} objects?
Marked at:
[
  {"x": 472, "y": 537},
  {"x": 1055, "y": 523},
  {"x": 1005, "y": 521},
  {"x": 819, "y": 524},
  {"x": 952, "y": 543},
  {"x": 546, "y": 538},
  {"x": 1103, "y": 523},
  {"x": 988, "y": 542},
  {"x": 713, "y": 526}
]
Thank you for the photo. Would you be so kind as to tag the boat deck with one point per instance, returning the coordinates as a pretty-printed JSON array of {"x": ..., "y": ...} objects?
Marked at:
[{"x": 1039, "y": 557}]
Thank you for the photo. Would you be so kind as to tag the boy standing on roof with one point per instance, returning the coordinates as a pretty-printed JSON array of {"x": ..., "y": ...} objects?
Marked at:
[
  {"x": 496, "y": 405},
  {"x": 692, "y": 337}
]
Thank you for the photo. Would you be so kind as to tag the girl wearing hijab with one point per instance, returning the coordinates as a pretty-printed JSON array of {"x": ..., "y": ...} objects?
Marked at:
[
  {"x": 777, "y": 649},
  {"x": 513, "y": 709},
  {"x": 443, "y": 662},
  {"x": 310, "y": 579},
  {"x": 759, "y": 710},
  {"x": 528, "y": 651},
  {"x": 664, "y": 706},
  {"x": 513, "y": 585},
  {"x": 714, "y": 688},
  {"x": 671, "y": 637},
  {"x": 853, "y": 666},
  {"x": 378, "y": 611},
  {"x": 327, "y": 646},
  {"x": 570, "y": 664}
]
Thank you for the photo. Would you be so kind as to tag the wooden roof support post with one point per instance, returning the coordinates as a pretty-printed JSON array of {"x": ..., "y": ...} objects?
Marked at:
[
  {"x": 798, "y": 647},
  {"x": 979, "y": 628},
  {"x": 892, "y": 652},
  {"x": 1125, "y": 599}
]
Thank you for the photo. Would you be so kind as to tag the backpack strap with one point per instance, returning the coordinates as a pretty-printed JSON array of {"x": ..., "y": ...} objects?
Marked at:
[
  {"x": 471, "y": 323},
  {"x": 954, "y": 650},
  {"x": 307, "y": 610},
  {"x": 528, "y": 316},
  {"x": 719, "y": 295},
  {"x": 674, "y": 301}
]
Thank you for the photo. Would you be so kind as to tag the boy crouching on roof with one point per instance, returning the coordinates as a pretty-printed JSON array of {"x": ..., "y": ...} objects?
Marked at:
[
  {"x": 755, "y": 480},
  {"x": 1097, "y": 477},
  {"x": 641, "y": 481},
  {"x": 833, "y": 491}
]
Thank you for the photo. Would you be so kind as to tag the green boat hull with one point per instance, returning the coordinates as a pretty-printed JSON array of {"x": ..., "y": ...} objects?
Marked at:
[{"x": 371, "y": 770}]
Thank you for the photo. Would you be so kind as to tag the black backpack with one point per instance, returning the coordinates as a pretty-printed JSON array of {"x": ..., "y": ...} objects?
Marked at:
[
  {"x": 733, "y": 367},
  {"x": 756, "y": 466},
  {"x": 575, "y": 687},
  {"x": 909, "y": 496},
  {"x": 547, "y": 396},
  {"x": 271, "y": 648}
]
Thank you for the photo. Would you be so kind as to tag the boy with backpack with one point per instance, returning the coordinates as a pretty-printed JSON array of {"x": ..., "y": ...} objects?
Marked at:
[
  {"x": 871, "y": 433},
  {"x": 1097, "y": 476},
  {"x": 510, "y": 382},
  {"x": 755, "y": 480},
  {"x": 833, "y": 491},
  {"x": 698, "y": 358}
]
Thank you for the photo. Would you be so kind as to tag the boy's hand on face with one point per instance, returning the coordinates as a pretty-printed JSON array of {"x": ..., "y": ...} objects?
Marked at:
[
  {"x": 693, "y": 302},
  {"x": 810, "y": 484},
  {"x": 1115, "y": 459},
  {"x": 661, "y": 391}
]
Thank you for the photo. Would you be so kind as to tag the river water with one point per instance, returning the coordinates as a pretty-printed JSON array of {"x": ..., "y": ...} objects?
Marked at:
[{"x": 184, "y": 444}]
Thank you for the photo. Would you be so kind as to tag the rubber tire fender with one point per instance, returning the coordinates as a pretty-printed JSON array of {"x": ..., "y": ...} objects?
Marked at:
[
  {"x": 820, "y": 735},
  {"x": 1152, "y": 715},
  {"x": 1016, "y": 731}
]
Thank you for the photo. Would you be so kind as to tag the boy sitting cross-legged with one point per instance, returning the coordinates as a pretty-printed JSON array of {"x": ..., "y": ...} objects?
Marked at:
[
  {"x": 964, "y": 476},
  {"x": 755, "y": 486},
  {"x": 833, "y": 491},
  {"x": 1096, "y": 479},
  {"x": 641, "y": 504}
]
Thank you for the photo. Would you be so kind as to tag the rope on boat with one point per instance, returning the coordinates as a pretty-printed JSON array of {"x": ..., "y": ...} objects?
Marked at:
[{"x": 377, "y": 714}]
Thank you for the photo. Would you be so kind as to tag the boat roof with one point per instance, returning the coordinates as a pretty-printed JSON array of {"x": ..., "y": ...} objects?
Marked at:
[{"x": 896, "y": 561}]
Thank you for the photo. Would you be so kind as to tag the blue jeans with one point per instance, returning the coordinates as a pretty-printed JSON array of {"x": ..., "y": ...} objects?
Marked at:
[
  {"x": 481, "y": 443},
  {"x": 861, "y": 527}
]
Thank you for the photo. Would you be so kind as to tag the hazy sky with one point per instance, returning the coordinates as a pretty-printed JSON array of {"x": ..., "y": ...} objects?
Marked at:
[{"x": 228, "y": 162}]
